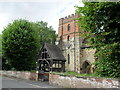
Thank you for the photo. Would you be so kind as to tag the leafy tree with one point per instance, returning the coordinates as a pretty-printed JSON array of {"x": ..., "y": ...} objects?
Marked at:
[
  {"x": 102, "y": 19},
  {"x": 20, "y": 44},
  {"x": 0, "y": 46},
  {"x": 0, "y": 51},
  {"x": 22, "y": 41},
  {"x": 46, "y": 33},
  {"x": 3, "y": 62}
]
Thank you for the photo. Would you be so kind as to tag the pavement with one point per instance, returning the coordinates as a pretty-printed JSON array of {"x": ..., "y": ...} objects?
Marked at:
[{"x": 9, "y": 82}]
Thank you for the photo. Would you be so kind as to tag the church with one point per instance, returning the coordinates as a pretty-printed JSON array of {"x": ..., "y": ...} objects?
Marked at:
[
  {"x": 70, "y": 52},
  {"x": 79, "y": 57}
]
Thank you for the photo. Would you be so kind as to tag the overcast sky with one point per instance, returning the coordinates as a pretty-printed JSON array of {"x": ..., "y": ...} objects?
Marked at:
[{"x": 36, "y": 10}]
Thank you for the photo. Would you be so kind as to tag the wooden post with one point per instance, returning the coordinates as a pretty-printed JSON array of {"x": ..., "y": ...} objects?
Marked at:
[
  {"x": 58, "y": 64},
  {"x": 51, "y": 64},
  {"x": 63, "y": 66}
]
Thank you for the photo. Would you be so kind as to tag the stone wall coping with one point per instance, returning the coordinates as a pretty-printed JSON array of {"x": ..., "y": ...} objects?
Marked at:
[
  {"x": 18, "y": 71},
  {"x": 20, "y": 74},
  {"x": 82, "y": 82},
  {"x": 85, "y": 77}
]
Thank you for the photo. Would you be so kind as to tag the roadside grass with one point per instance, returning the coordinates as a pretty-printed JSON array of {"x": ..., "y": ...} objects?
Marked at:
[
  {"x": 29, "y": 71},
  {"x": 33, "y": 71},
  {"x": 70, "y": 73}
]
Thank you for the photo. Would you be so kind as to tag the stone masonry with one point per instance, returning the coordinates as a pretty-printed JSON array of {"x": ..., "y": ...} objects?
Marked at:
[
  {"x": 83, "y": 82},
  {"x": 70, "y": 43},
  {"x": 21, "y": 74}
]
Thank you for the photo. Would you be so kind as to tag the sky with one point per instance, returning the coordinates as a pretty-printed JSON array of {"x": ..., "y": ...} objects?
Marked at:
[{"x": 49, "y": 11}]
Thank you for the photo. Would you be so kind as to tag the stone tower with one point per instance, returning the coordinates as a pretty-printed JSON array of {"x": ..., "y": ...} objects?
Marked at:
[
  {"x": 69, "y": 41},
  {"x": 78, "y": 57}
]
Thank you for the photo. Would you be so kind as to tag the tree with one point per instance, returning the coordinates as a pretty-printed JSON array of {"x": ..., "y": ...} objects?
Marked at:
[
  {"x": 22, "y": 41},
  {"x": 0, "y": 51},
  {"x": 20, "y": 45},
  {"x": 0, "y": 46},
  {"x": 102, "y": 19},
  {"x": 46, "y": 33}
]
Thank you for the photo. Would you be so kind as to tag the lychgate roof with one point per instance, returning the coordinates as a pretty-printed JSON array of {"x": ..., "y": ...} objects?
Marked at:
[{"x": 54, "y": 51}]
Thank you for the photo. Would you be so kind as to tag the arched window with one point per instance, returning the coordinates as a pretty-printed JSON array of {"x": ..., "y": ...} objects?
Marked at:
[
  {"x": 68, "y": 59},
  {"x": 68, "y": 27},
  {"x": 68, "y": 38}
]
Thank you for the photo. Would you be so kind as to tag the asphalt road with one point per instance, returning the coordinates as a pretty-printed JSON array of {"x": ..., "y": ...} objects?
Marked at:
[{"x": 20, "y": 83}]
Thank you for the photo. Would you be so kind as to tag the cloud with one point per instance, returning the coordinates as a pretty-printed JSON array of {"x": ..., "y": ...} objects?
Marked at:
[
  {"x": 4, "y": 21},
  {"x": 35, "y": 10},
  {"x": 32, "y": 11},
  {"x": 31, "y": 0}
]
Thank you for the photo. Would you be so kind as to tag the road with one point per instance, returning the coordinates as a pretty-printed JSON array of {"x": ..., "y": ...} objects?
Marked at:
[{"x": 20, "y": 83}]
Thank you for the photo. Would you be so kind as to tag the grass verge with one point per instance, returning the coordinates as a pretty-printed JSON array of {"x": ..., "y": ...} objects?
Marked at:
[{"x": 70, "y": 73}]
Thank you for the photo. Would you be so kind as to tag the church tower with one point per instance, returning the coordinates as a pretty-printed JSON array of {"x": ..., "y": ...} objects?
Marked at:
[
  {"x": 79, "y": 57},
  {"x": 70, "y": 41}
]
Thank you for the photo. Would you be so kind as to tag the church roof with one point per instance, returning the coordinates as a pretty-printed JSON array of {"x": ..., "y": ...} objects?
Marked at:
[{"x": 54, "y": 51}]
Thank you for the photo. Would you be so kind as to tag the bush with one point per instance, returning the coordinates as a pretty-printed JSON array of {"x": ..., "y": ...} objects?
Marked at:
[
  {"x": 20, "y": 45},
  {"x": 108, "y": 63}
]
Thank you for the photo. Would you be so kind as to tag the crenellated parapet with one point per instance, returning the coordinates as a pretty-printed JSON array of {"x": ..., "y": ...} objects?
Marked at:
[{"x": 68, "y": 18}]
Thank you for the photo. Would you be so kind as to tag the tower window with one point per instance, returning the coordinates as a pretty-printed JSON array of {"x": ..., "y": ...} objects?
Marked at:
[
  {"x": 68, "y": 38},
  {"x": 68, "y": 59},
  {"x": 68, "y": 27}
]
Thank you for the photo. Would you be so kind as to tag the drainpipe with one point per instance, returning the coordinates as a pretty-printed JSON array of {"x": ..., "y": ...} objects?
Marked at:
[
  {"x": 74, "y": 46},
  {"x": 62, "y": 36},
  {"x": 79, "y": 56}
]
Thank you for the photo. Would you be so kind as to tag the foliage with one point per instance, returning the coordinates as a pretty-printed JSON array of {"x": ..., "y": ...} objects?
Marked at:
[
  {"x": 70, "y": 73},
  {"x": 109, "y": 62},
  {"x": 0, "y": 51},
  {"x": 22, "y": 41},
  {"x": 46, "y": 33},
  {"x": 101, "y": 23},
  {"x": 20, "y": 44},
  {"x": 0, "y": 46}
]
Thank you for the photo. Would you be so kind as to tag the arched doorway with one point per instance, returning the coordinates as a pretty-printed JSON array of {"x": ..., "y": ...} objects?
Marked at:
[{"x": 85, "y": 67}]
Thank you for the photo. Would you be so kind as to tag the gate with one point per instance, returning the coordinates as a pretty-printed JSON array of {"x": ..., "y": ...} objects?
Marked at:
[{"x": 44, "y": 68}]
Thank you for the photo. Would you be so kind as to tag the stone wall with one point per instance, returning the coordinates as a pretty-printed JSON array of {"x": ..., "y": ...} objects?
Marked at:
[
  {"x": 74, "y": 52},
  {"x": 21, "y": 74},
  {"x": 87, "y": 55},
  {"x": 82, "y": 82}
]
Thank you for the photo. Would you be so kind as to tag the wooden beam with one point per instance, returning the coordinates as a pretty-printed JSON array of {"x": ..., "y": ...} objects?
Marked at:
[{"x": 58, "y": 64}]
